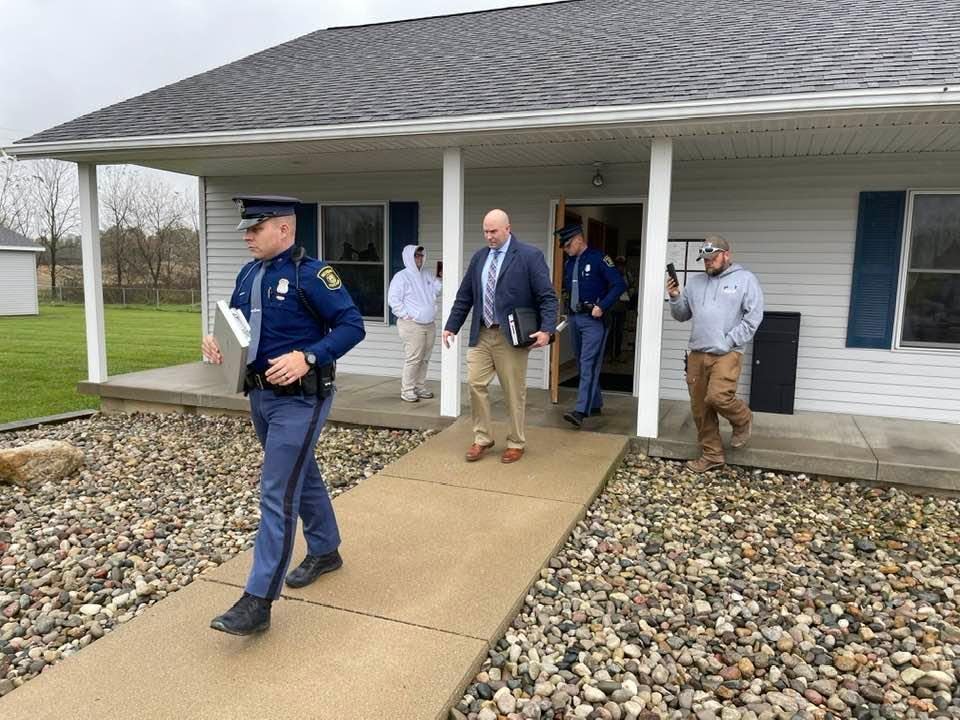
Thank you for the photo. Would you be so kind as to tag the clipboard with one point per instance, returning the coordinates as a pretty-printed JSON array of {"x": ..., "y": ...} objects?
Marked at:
[{"x": 232, "y": 332}]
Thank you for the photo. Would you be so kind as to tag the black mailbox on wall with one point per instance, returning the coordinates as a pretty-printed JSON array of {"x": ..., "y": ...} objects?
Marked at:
[{"x": 773, "y": 378}]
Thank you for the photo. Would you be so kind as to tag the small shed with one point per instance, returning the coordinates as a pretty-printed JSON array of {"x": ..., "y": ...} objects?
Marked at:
[{"x": 18, "y": 273}]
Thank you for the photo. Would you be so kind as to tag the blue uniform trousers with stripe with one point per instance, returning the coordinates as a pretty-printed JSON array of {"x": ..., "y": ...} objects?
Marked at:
[
  {"x": 290, "y": 486},
  {"x": 589, "y": 339}
]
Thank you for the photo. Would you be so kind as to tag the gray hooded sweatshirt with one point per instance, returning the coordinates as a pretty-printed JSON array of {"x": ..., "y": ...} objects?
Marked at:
[
  {"x": 726, "y": 309},
  {"x": 413, "y": 292}
]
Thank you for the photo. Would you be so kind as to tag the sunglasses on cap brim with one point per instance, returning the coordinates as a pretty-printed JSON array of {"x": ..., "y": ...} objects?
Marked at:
[{"x": 710, "y": 250}]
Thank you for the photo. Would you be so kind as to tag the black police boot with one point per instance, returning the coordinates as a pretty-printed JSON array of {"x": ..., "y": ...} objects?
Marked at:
[
  {"x": 312, "y": 567},
  {"x": 574, "y": 417},
  {"x": 596, "y": 411},
  {"x": 250, "y": 614}
]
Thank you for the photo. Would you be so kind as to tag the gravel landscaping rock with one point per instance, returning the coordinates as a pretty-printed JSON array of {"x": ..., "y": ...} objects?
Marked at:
[
  {"x": 738, "y": 594},
  {"x": 161, "y": 499}
]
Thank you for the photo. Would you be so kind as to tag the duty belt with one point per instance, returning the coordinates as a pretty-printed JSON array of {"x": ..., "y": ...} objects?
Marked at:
[{"x": 317, "y": 381}]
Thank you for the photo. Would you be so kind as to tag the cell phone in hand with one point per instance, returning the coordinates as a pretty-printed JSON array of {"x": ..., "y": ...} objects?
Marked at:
[
  {"x": 672, "y": 272},
  {"x": 439, "y": 268}
]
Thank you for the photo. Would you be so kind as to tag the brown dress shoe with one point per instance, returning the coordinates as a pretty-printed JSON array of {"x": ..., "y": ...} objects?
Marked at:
[
  {"x": 476, "y": 451},
  {"x": 741, "y": 435},
  {"x": 702, "y": 464},
  {"x": 511, "y": 455}
]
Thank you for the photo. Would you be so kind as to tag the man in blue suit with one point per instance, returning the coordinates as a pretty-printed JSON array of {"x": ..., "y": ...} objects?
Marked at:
[{"x": 502, "y": 277}]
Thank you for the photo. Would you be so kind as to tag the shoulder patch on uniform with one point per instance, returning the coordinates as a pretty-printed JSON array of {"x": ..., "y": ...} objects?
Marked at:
[
  {"x": 330, "y": 278},
  {"x": 608, "y": 261}
]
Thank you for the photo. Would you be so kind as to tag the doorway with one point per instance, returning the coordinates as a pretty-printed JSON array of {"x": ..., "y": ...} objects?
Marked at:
[{"x": 617, "y": 230}]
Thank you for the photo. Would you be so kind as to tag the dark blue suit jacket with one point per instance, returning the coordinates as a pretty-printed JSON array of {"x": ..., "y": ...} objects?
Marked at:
[{"x": 524, "y": 281}]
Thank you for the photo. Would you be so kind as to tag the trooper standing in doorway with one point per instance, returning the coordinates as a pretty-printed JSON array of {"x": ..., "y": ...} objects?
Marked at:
[
  {"x": 592, "y": 286},
  {"x": 726, "y": 305}
]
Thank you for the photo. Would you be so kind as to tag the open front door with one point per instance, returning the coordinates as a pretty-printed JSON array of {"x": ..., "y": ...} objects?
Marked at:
[{"x": 558, "y": 221}]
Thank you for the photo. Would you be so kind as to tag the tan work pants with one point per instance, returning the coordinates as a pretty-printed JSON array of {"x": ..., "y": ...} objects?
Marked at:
[
  {"x": 417, "y": 341},
  {"x": 712, "y": 383},
  {"x": 493, "y": 354}
]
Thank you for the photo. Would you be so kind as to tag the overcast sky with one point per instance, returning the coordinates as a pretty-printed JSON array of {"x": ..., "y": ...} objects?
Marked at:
[{"x": 60, "y": 59}]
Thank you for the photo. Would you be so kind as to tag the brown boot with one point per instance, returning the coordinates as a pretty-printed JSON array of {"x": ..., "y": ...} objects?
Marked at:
[
  {"x": 741, "y": 435},
  {"x": 702, "y": 464},
  {"x": 476, "y": 451}
]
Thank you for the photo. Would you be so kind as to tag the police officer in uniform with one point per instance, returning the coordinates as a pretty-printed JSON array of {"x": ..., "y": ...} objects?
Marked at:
[
  {"x": 592, "y": 285},
  {"x": 301, "y": 320}
]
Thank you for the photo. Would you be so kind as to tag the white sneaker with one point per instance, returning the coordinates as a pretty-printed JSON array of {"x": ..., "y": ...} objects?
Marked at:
[
  {"x": 409, "y": 397},
  {"x": 423, "y": 394}
]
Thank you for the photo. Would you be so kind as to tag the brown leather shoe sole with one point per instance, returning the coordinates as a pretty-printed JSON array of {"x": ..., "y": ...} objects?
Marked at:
[
  {"x": 511, "y": 455},
  {"x": 476, "y": 451}
]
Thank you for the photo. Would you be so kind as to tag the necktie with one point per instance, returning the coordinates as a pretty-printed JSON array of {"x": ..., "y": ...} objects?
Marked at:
[
  {"x": 489, "y": 290},
  {"x": 256, "y": 312},
  {"x": 575, "y": 286}
]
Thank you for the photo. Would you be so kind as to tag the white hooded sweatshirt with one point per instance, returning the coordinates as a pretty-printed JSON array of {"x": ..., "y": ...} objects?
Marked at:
[{"x": 413, "y": 293}]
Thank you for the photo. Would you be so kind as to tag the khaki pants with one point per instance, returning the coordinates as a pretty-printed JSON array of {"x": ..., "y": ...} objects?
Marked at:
[
  {"x": 493, "y": 354},
  {"x": 417, "y": 341},
  {"x": 712, "y": 382}
]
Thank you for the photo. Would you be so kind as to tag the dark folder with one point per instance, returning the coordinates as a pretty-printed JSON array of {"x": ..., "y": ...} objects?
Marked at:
[{"x": 521, "y": 324}]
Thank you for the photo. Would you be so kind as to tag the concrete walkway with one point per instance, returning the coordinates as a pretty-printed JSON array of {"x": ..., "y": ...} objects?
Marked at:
[{"x": 438, "y": 554}]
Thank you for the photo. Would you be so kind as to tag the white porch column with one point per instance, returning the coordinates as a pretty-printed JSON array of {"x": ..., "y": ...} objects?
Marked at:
[
  {"x": 650, "y": 311},
  {"x": 92, "y": 277},
  {"x": 452, "y": 263}
]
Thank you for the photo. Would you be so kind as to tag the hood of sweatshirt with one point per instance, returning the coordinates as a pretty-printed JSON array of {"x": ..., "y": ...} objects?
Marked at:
[{"x": 409, "y": 261}]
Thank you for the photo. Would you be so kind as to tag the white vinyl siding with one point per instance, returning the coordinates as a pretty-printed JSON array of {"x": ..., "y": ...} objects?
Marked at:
[
  {"x": 18, "y": 283},
  {"x": 792, "y": 222}
]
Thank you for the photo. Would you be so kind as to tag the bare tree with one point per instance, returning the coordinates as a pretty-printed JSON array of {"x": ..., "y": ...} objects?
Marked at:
[
  {"x": 54, "y": 194},
  {"x": 160, "y": 211},
  {"x": 15, "y": 211},
  {"x": 119, "y": 189}
]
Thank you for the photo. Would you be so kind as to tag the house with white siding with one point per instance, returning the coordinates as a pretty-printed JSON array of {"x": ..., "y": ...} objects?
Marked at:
[
  {"x": 821, "y": 139},
  {"x": 18, "y": 273}
]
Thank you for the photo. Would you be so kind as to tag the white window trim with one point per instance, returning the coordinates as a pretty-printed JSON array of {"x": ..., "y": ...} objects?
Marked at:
[
  {"x": 385, "y": 320},
  {"x": 898, "y": 345}
]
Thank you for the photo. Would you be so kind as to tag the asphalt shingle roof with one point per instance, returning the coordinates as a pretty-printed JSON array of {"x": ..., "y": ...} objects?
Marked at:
[
  {"x": 583, "y": 53},
  {"x": 9, "y": 238}
]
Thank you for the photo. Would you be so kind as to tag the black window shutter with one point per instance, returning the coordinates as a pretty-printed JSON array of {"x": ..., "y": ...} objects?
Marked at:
[
  {"x": 876, "y": 268},
  {"x": 404, "y": 230},
  {"x": 307, "y": 228}
]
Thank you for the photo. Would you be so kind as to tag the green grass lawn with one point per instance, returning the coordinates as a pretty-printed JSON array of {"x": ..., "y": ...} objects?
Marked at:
[{"x": 44, "y": 356}]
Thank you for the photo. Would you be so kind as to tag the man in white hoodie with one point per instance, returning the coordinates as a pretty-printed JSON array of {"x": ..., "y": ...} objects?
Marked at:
[{"x": 413, "y": 299}]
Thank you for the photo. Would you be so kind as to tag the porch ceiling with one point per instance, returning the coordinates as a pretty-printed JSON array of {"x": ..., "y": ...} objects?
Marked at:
[{"x": 851, "y": 133}]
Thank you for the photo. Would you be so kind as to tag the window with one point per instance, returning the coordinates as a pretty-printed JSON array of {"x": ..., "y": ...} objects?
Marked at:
[
  {"x": 683, "y": 254},
  {"x": 354, "y": 242},
  {"x": 930, "y": 278}
]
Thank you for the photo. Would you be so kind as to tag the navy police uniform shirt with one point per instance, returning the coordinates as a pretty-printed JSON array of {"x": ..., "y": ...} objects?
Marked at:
[
  {"x": 600, "y": 281},
  {"x": 286, "y": 324}
]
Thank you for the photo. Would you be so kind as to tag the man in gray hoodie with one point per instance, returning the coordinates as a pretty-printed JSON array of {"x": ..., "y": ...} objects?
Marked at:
[{"x": 726, "y": 305}]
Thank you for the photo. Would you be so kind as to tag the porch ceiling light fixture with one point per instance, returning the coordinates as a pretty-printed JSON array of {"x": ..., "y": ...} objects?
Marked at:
[{"x": 597, "y": 177}]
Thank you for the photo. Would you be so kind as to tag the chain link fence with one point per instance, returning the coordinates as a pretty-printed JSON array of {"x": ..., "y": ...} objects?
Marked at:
[{"x": 187, "y": 298}]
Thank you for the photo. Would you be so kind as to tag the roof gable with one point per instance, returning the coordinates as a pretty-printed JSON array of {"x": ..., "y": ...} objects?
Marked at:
[
  {"x": 584, "y": 53},
  {"x": 9, "y": 238}
]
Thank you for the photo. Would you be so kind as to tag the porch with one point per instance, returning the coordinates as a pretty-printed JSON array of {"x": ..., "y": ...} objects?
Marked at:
[{"x": 918, "y": 454}]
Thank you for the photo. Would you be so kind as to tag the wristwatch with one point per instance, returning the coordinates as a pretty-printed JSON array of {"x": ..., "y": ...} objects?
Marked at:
[{"x": 310, "y": 357}]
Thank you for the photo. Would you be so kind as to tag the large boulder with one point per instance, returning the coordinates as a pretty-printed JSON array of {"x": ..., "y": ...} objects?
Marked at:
[{"x": 39, "y": 461}]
